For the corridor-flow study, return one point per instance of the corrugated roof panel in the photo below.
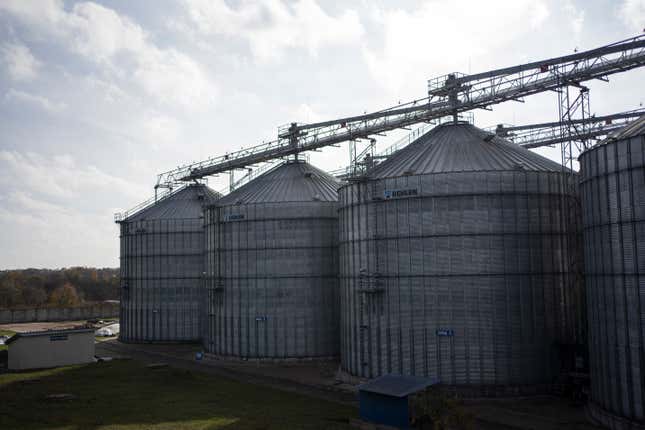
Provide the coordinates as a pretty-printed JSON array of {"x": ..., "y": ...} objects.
[
  {"x": 460, "y": 147},
  {"x": 635, "y": 128},
  {"x": 292, "y": 181},
  {"x": 182, "y": 204},
  {"x": 397, "y": 385}
]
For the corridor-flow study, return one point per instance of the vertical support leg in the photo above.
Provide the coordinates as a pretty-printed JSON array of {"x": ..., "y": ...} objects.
[
  {"x": 574, "y": 142},
  {"x": 574, "y": 139},
  {"x": 352, "y": 157}
]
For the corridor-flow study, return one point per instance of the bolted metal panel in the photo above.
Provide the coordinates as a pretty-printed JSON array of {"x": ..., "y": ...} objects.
[
  {"x": 458, "y": 276},
  {"x": 272, "y": 270},
  {"x": 613, "y": 202},
  {"x": 162, "y": 265}
]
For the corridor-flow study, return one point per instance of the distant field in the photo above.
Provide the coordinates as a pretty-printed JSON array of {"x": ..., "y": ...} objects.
[{"x": 125, "y": 395}]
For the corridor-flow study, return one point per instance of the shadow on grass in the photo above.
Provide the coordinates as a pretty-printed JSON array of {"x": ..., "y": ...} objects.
[{"x": 126, "y": 395}]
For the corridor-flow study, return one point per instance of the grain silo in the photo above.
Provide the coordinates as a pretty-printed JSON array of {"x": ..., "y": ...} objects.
[
  {"x": 455, "y": 262},
  {"x": 272, "y": 267},
  {"x": 613, "y": 211},
  {"x": 162, "y": 267}
]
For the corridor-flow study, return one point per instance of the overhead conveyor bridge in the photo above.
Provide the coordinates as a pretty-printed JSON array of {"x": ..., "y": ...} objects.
[{"x": 448, "y": 95}]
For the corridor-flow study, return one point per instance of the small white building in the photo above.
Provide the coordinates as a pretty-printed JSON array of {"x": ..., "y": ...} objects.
[{"x": 51, "y": 348}]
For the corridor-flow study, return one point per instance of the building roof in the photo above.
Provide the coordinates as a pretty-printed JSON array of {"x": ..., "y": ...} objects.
[
  {"x": 48, "y": 333},
  {"x": 397, "y": 385},
  {"x": 291, "y": 181},
  {"x": 187, "y": 202},
  {"x": 460, "y": 147}
]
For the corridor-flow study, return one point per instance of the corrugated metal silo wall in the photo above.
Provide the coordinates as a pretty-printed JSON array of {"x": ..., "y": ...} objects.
[
  {"x": 613, "y": 198},
  {"x": 458, "y": 276},
  {"x": 272, "y": 274},
  {"x": 162, "y": 268}
]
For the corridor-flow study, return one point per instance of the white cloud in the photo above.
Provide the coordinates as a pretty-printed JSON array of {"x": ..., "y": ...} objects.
[
  {"x": 41, "y": 102},
  {"x": 632, "y": 13},
  {"x": 60, "y": 177},
  {"x": 105, "y": 90},
  {"x": 100, "y": 33},
  {"x": 38, "y": 211},
  {"x": 20, "y": 63},
  {"x": 173, "y": 77},
  {"x": 120, "y": 46},
  {"x": 42, "y": 234},
  {"x": 54, "y": 209},
  {"x": 305, "y": 113},
  {"x": 160, "y": 130},
  {"x": 438, "y": 36},
  {"x": 43, "y": 13},
  {"x": 576, "y": 17},
  {"x": 273, "y": 26}
]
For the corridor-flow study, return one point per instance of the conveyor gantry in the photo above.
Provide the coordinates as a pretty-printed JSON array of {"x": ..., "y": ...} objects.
[{"x": 448, "y": 95}]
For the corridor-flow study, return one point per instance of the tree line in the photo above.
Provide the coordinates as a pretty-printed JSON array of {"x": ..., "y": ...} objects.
[{"x": 57, "y": 288}]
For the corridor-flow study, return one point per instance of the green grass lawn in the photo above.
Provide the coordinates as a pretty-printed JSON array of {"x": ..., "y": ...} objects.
[
  {"x": 5, "y": 333},
  {"x": 104, "y": 338},
  {"x": 124, "y": 394}
]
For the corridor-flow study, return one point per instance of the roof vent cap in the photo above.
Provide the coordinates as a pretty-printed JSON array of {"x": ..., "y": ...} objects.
[
  {"x": 316, "y": 198},
  {"x": 308, "y": 174}
]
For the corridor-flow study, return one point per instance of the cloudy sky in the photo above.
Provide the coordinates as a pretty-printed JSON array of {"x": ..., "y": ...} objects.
[{"x": 96, "y": 98}]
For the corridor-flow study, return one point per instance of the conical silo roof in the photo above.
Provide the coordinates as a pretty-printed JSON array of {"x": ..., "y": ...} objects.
[
  {"x": 184, "y": 203},
  {"x": 292, "y": 181},
  {"x": 460, "y": 147},
  {"x": 634, "y": 128}
]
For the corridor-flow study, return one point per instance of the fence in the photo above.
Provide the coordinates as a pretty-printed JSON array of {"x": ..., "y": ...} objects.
[{"x": 100, "y": 310}]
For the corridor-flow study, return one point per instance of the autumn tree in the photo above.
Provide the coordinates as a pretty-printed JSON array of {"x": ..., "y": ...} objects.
[
  {"x": 37, "y": 287},
  {"x": 65, "y": 295},
  {"x": 9, "y": 293},
  {"x": 33, "y": 296}
]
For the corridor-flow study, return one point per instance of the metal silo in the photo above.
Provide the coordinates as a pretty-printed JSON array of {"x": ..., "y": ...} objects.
[
  {"x": 613, "y": 202},
  {"x": 162, "y": 266},
  {"x": 272, "y": 267},
  {"x": 454, "y": 262}
]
